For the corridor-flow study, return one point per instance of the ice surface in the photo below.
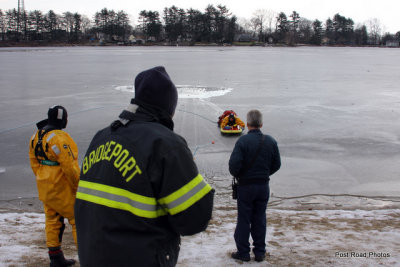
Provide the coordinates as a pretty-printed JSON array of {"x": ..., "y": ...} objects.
[{"x": 334, "y": 111}]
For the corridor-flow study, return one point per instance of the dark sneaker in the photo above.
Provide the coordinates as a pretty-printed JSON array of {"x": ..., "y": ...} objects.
[
  {"x": 236, "y": 256},
  {"x": 259, "y": 258}
]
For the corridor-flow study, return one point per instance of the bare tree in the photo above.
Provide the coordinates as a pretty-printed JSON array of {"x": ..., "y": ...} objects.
[
  {"x": 258, "y": 21},
  {"x": 86, "y": 24},
  {"x": 262, "y": 21},
  {"x": 68, "y": 23},
  {"x": 305, "y": 29},
  {"x": 375, "y": 30},
  {"x": 270, "y": 20},
  {"x": 246, "y": 25}
]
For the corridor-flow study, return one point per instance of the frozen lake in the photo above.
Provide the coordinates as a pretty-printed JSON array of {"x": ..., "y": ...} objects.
[{"x": 335, "y": 112}]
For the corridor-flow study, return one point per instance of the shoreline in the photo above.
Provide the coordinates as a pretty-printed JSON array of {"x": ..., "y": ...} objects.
[
  {"x": 244, "y": 44},
  {"x": 223, "y": 201}
]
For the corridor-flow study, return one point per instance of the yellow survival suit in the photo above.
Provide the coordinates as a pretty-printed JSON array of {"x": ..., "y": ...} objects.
[
  {"x": 232, "y": 120},
  {"x": 53, "y": 156}
]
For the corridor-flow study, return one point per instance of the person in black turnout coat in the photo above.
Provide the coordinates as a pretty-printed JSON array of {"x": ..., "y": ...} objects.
[
  {"x": 254, "y": 158},
  {"x": 140, "y": 189}
]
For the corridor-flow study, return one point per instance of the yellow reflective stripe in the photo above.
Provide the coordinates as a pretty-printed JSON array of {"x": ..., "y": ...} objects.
[
  {"x": 186, "y": 196},
  {"x": 118, "y": 198},
  {"x": 139, "y": 205},
  {"x": 182, "y": 191},
  {"x": 118, "y": 191},
  {"x": 185, "y": 205},
  {"x": 120, "y": 205}
]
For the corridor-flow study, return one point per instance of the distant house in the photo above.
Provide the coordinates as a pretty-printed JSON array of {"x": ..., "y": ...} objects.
[
  {"x": 132, "y": 39},
  {"x": 245, "y": 38},
  {"x": 392, "y": 43}
]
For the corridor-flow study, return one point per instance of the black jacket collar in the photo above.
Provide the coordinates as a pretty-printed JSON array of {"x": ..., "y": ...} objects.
[
  {"x": 145, "y": 112},
  {"x": 44, "y": 125},
  {"x": 256, "y": 131}
]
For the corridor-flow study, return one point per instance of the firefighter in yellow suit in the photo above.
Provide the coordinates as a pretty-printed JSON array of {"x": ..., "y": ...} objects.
[
  {"x": 53, "y": 156},
  {"x": 231, "y": 121}
]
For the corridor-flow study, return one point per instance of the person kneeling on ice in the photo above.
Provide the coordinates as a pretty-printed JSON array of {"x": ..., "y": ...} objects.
[
  {"x": 54, "y": 160},
  {"x": 231, "y": 121}
]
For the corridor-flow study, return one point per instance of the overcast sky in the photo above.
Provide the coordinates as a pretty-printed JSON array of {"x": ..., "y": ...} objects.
[{"x": 386, "y": 11}]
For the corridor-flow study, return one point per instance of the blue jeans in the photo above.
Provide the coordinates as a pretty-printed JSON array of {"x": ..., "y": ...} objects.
[{"x": 252, "y": 219}]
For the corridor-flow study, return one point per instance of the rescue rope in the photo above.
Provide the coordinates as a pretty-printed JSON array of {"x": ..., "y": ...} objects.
[
  {"x": 72, "y": 113},
  {"x": 18, "y": 127},
  {"x": 394, "y": 199},
  {"x": 201, "y": 116},
  {"x": 96, "y": 108},
  {"x": 200, "y": 146},
  {"x": 382, "y": 198},
  {"x": 90, "y": 109}
]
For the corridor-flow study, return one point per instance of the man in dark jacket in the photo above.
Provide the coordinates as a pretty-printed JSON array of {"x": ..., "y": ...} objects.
[
  {"x": 254, "y": 158},
  {"x": 140, "y": 189}
]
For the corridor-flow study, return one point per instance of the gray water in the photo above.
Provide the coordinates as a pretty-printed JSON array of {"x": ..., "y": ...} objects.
[{"x": 335, "y": 112}]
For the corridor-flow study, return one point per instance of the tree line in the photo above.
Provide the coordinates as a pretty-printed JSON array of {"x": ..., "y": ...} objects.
[{"x": 216, "y": 24}]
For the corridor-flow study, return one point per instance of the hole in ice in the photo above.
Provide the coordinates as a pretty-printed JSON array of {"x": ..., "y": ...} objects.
[
  {"x": 188, "y": 91},
  {"x": 125, "y": 88}
]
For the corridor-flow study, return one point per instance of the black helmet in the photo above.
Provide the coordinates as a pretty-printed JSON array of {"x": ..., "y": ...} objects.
[{"x": 58, "y": 117}]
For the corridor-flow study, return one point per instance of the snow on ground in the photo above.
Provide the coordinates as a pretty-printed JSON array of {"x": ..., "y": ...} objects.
[
  {"x": 296, "y": 237},
  {"x": 305, "y": 238}
]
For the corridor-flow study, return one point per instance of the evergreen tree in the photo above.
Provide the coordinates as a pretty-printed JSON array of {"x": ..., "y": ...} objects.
[
  {"x": 294, "y": 27},
  {"x": 194, "y": 24},
  {"x": 343, "y": 29},
  {"x": 77, "y": 26},
  {"x": 282, "y": 27},
  {"x": 317, "y": 33},
  {"x": 330, "y": 31},
  {"x": 221, "y": 18},
  {"x": 150, "y": 24},
  {"x": 51, "y": 24},
  {"x": 361, "y": 35},
  {"x": 36, "y": 24},
  {"x": 208, "y": 24},
  {"x": 12, "y": 24},
  {"x": 175, "y": 23},
  {"x": 231, "y": 30},
  {"x": 122, "y": 24},
  {"x": 2, "y": 25}
]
